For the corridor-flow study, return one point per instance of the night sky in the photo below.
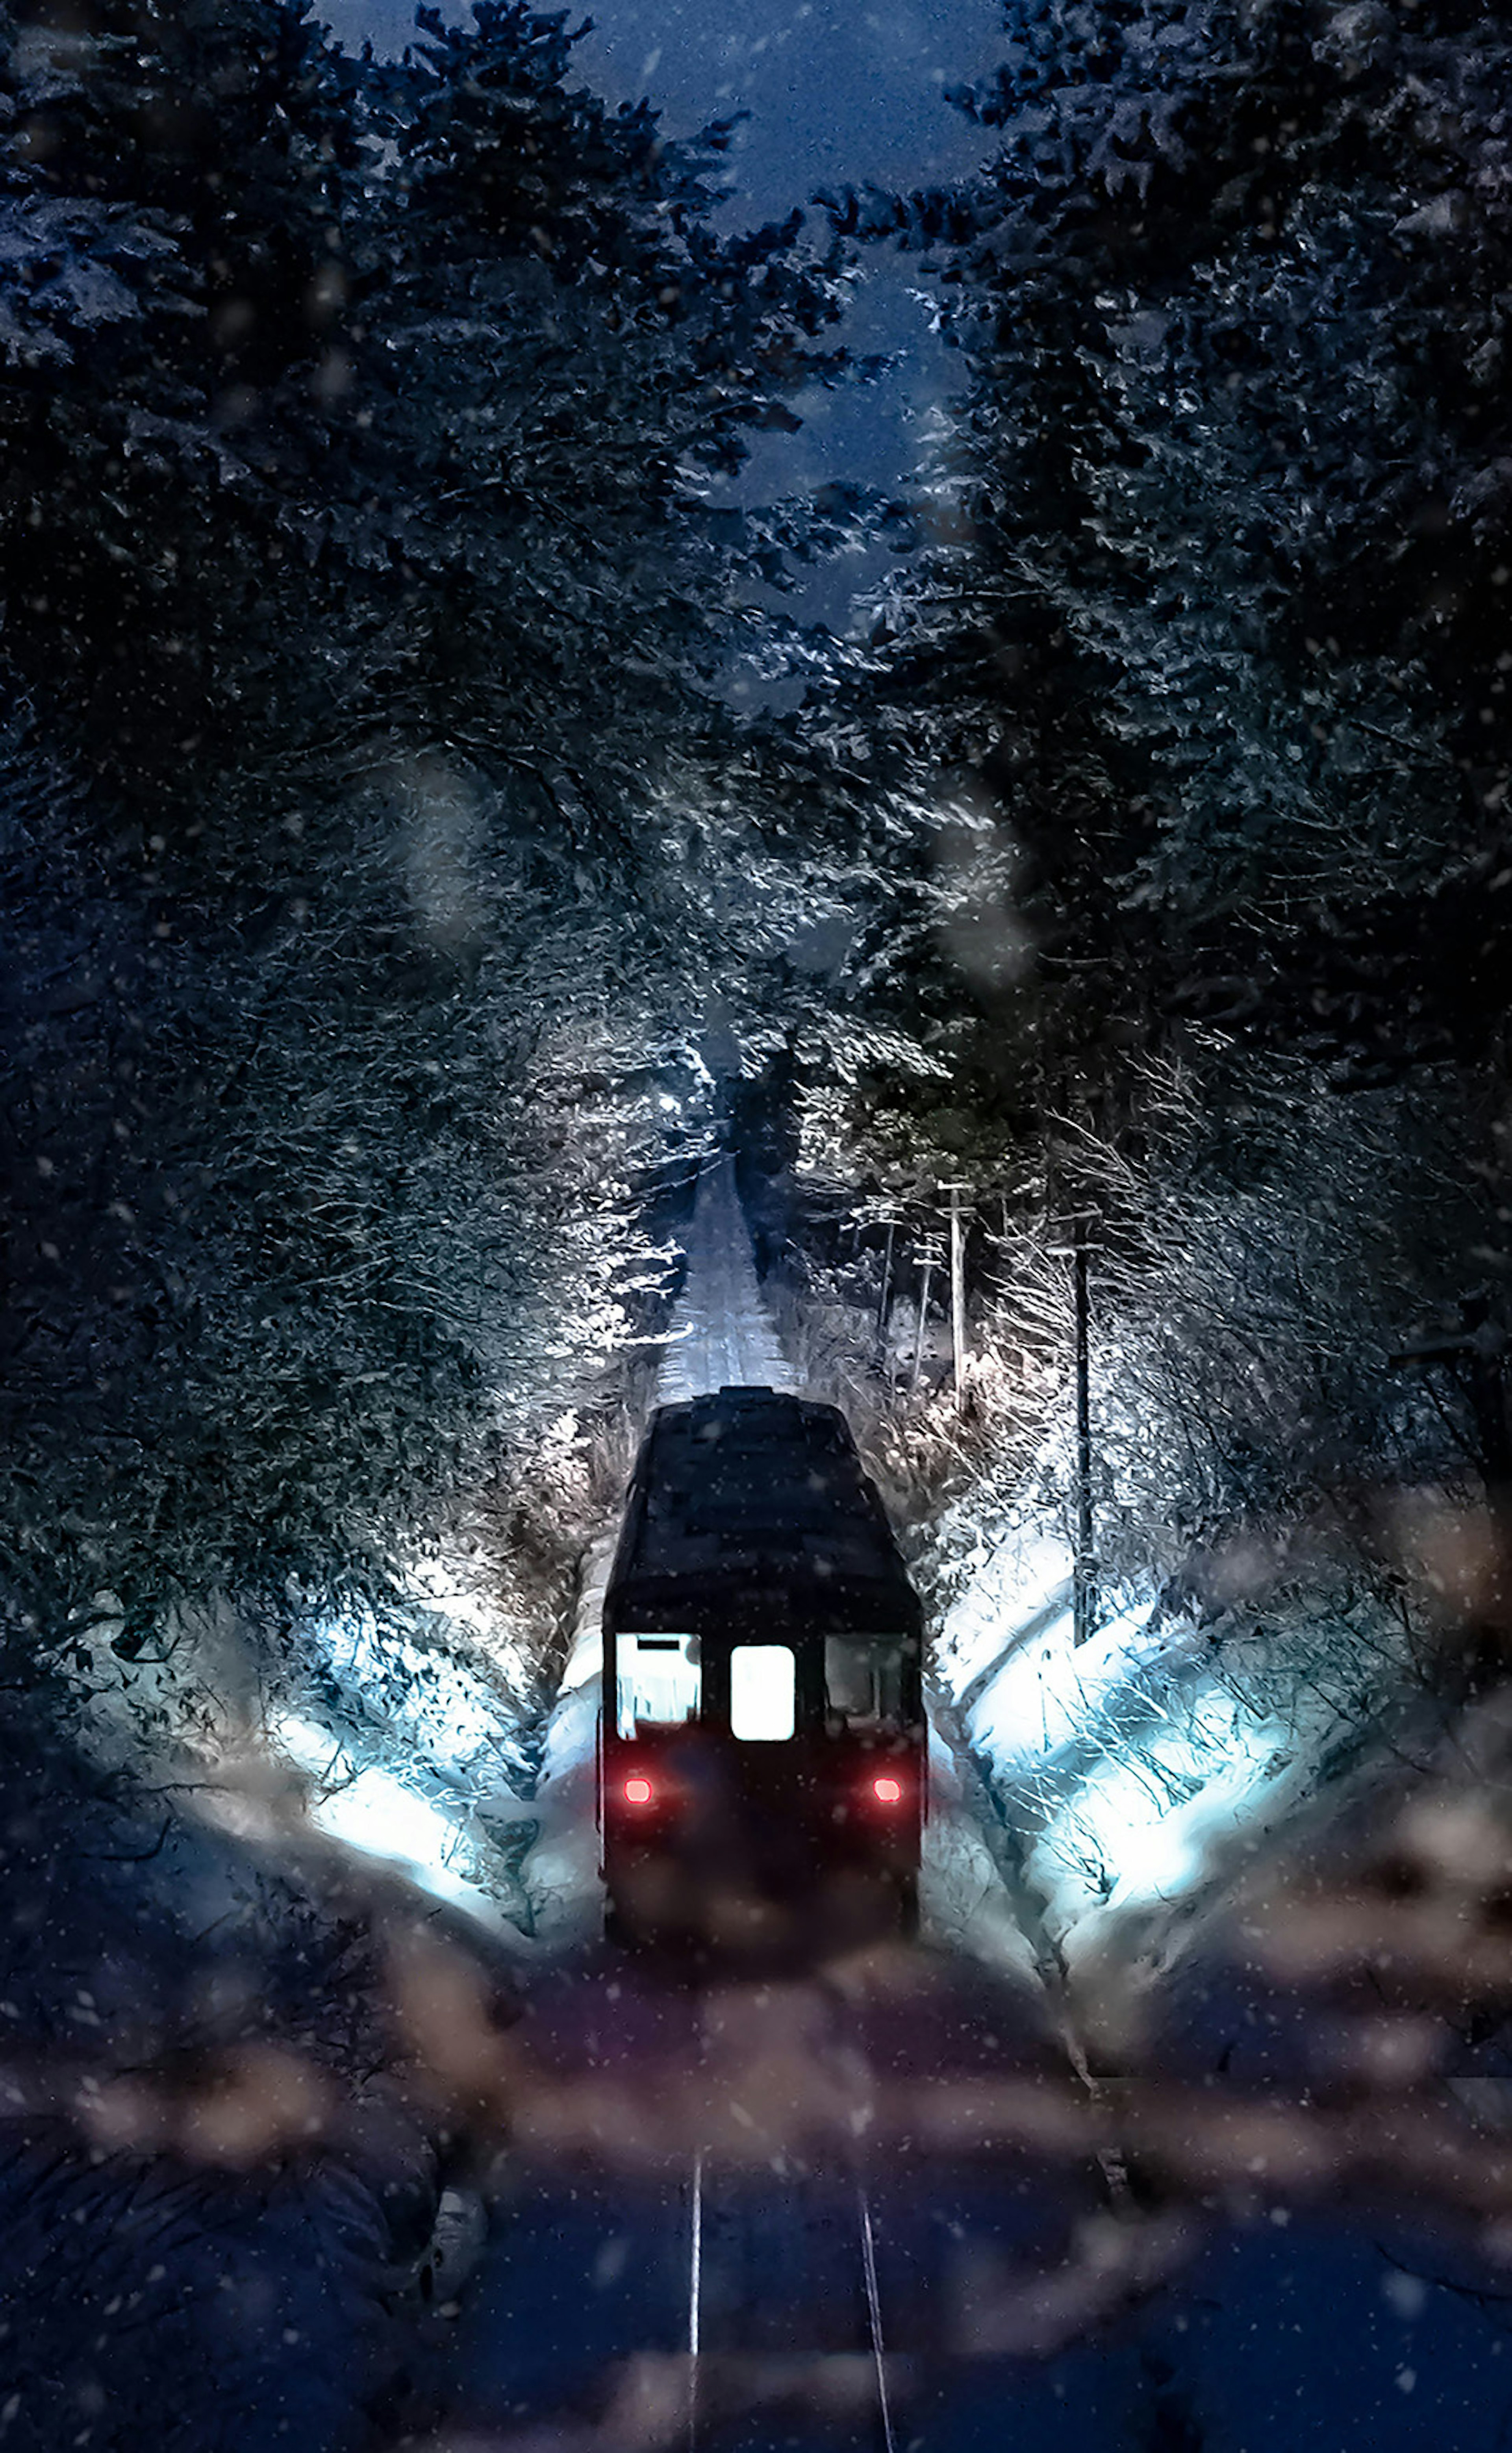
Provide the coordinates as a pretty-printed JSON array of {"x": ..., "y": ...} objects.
[{"x": 834, "y": 92}]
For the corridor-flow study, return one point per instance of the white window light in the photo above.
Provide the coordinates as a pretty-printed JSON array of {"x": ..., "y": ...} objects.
[{"x": 763, "y": 1682}]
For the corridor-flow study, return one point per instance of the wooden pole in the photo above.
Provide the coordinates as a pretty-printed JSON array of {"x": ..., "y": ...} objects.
[
  {"x": 957, "y": 1293},
  {"x": 928, "y": 1273},
  {"x": 1083, "y": 1588}
]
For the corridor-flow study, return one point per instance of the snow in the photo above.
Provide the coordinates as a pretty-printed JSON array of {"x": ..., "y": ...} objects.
[
  {"x": 1047, "y": 1692},
  {"x": 964, "y": 1903},
  {"x": 380, "y": 1813},
  {"x": 1145, "y": 1845},
  {"x": 561, "y": 1873},
  {"x": 1027, "y": 1572},
  {"x": 1074, "y": 1789},
  {"x": 1127, "y": 1772},
  {"x": 409, "y": 1745},
  {"x": 408, "y": 1728},
  {"x": 443, "y": 1709}
]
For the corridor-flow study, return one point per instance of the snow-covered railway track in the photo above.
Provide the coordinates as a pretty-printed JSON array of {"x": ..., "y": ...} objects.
[{"x": 721, "y": 1334}]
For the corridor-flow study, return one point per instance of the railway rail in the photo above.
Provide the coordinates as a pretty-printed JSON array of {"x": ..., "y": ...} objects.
[{"x": 729, "y": 2331}]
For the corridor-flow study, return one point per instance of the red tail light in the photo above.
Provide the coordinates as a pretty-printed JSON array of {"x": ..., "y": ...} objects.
[
  {"x": 886, "y": 1790},
  {"x": 638, "y": 1790}
]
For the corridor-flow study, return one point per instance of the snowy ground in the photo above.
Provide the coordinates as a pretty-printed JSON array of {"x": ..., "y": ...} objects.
[
  {"x": 561, "y": 1873},
  {"x": 1078, "y": 1796},
  {"x": 411, "y": 1738}
]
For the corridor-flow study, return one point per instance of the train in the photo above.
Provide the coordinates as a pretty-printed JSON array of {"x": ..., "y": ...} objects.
[{"x": 762, "y": 1749}]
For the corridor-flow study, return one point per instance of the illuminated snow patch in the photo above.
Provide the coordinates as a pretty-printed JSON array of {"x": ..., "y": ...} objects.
[
  {"x": 379, "y": 1815},
  {"x": 1125, "y": 1762},
  {"x": 426, "y": 1692},
  {"x": 439, "y": 1589},
  {"x": 1021, "y": 1579},
  {"x": 1129, "y": 1837},
  {"x": 1051, "y": 1691},
  {"x": 1132, "y": 1769}
]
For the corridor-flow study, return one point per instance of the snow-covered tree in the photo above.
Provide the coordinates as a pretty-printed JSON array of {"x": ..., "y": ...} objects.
[
  {"x": 366, "y": 791},
  {"x": 1197, "y": 688}
]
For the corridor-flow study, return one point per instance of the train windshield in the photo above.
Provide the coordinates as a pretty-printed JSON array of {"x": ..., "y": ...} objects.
[
  {"x": 660, "y": 1680},
  {"x": 864, "y": 1680}
]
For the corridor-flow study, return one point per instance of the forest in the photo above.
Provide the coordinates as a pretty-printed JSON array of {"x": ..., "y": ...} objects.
[{"x": 403, "y": 899}]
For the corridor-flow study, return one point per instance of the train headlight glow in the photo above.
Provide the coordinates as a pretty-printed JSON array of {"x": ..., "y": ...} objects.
[
  {"x": 638, "y": 1790},
  {"x": 888, "y": 1791}
]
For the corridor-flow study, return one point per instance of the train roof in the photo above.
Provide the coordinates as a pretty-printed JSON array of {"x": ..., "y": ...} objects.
[{"x": 758, "y": 1491}]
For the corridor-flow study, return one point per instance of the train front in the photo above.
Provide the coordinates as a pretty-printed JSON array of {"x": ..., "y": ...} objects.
[{"x": 762, "y": 1739}]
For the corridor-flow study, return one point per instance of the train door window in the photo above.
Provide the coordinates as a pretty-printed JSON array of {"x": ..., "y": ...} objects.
[
  {"x": 864, "y": 1680},
  {"x": 763, "y": 1691},
  {"x": 660, "y": 1682}
]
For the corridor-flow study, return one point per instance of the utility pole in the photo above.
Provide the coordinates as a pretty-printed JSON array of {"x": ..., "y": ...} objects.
[
  {"x": 928, "y": 1256},
  {"x": 887, "y": 1279},
  {"x": 957, "y": 1290},
  {"x": 1084, "y": 1586}
]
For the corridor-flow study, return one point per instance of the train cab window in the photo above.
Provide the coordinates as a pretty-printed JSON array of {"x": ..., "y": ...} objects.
[
  {"x": 864, "y": 1680},
  {"x": 763, "y": 1691},
  {"x": 660, "y": 1682}
]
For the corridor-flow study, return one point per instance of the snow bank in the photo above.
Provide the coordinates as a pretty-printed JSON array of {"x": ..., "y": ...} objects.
[
  {"x": 1125, "y": 1772},
  {"x": 561, "y": 1873}
]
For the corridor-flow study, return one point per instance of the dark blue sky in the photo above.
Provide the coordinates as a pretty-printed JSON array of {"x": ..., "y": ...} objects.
[{"x": 835, "y": 92}]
